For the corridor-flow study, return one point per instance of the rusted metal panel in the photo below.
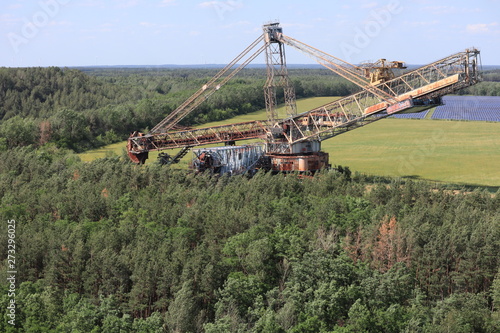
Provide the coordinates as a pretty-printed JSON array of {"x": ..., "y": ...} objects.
[
  {"x": 301, "y": 163},
  {"x": 443, "y": 83},
  {"x": 400, "y": 106},
  {"x": 139, "y": 143},
  {"x": 376, "y": 108}
]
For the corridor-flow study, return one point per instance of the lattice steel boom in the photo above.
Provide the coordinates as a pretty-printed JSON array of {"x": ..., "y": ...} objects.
[
  {"x": 210, "y": 87},
  {"x": 302, "y": 133},
  {"x": 422, "y": 88}
]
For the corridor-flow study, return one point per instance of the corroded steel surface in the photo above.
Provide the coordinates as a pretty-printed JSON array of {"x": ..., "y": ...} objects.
[{"x": 241, "y": 131}]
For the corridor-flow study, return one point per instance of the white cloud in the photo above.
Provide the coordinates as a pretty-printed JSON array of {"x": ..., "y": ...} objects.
[
  {"x": 298, "y": 26},
  {"x": 207, "y": 4},
  {"x": 229, "y": 4},
  {"x": 88, "y": 37},
  {"x": 480, "y": 28},
  {"x": 60, "y": 23},
  {"x": 16, "y": 6},
  {"x": 342, "y": 23},
  {"x": 166, "y": 3},
  {"x": 438, "y": 10},
  {"x": 126, "y": 4},
  {"x": 90, "y": 3},
  {"x": 146, "y": 24},
  {"x": 8, "y": 19},
  {"x": 421, "y": 23},
  {"x": 369, "y": 5},
  {"x": 442, "y": 10},
  {"x": 236, "y": 24}
]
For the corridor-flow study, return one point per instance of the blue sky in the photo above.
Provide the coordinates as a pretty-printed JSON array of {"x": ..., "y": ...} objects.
[{"x": 155, "y": 32}]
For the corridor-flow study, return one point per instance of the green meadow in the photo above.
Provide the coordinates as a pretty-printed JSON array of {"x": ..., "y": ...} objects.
[{"x": 457, "y": 152}]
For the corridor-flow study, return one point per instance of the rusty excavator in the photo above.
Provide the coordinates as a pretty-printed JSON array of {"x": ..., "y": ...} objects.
[{"x": 293, "y": 143}]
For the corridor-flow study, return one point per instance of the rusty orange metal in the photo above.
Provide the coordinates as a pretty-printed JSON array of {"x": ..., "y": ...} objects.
[{"x": 287, "y": 163}]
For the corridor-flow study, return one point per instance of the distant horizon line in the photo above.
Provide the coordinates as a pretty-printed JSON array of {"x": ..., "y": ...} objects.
[{"x": 211, "y": 65}]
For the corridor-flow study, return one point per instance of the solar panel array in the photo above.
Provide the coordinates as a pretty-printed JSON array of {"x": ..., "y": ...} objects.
[
  {"x": 418, "y": 115},
  {"x": 475, "y": 108},
  {"x": 483, "y": 108}
]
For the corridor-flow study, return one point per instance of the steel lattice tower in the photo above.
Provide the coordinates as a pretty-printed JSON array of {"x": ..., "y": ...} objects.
[{"x": 277, "y": 73}]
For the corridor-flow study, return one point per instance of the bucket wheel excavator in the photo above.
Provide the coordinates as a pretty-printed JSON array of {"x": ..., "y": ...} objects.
[{"x": 293, "y": 143}]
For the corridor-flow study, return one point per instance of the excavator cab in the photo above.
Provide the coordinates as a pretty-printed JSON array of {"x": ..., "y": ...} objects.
[{"x": 381, "y": 71}]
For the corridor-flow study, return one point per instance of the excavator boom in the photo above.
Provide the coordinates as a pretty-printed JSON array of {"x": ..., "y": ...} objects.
[
  {"x": 422, "y": 88},
  {"x": 209, "y": 88},
  {"x": 414, "y": 91}
]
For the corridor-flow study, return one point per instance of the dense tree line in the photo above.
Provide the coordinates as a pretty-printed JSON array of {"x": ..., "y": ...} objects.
[
  {"x": 113, "y": 247},
  {"x": 80, "y": 110},
  {"x": 38, "y": 92},
  {"x": 489, "y": 87},
  {"x": 83, "y": 109},
  {"x": 485, "y": 88},
  {"x": 492, "y": 75}
]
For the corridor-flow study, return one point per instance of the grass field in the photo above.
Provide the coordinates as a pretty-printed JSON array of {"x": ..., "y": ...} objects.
[{"x": 455, "y": 152}]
